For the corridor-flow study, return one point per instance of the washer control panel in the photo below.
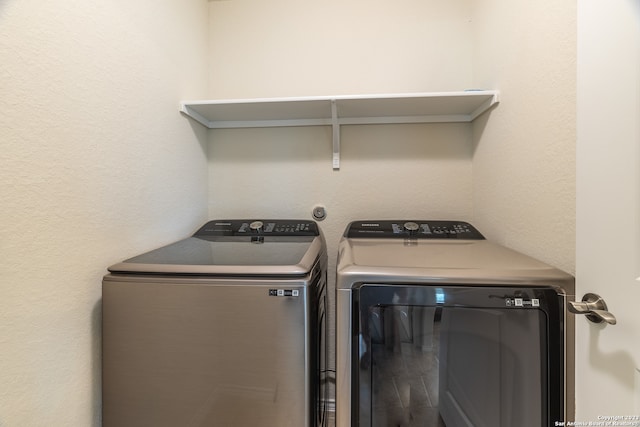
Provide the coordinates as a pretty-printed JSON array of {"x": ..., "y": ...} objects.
[
  {"x": 252, "y": 227},
  {"x": 425, "y": 229}
]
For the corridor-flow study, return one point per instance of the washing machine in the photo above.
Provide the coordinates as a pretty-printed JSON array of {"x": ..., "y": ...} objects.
[
  {"x": 436, "y": 326},
  {"x": 224, "y": 328}
]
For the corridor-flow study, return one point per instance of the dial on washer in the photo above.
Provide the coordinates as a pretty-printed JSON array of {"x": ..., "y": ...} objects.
[
  {"x": 411, "y": 227},
  {"x": 256, "y": 226}
]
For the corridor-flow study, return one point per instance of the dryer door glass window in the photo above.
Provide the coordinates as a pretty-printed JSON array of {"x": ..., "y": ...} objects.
[{"x": 457, "y": 356}]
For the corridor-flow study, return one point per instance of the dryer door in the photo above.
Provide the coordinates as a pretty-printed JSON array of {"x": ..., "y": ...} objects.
[{"x": 457, "y": 356}]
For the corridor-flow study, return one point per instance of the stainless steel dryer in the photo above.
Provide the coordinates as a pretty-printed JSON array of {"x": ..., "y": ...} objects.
[
  {"x": 225, "y": 328},
  {"x": 437, "y": 326}
]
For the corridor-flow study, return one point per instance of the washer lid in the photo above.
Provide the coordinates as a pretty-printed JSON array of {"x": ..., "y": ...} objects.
[{"x": 221, "y": 251}]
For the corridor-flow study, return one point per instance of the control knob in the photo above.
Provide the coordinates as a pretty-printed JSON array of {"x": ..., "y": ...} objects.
[
  {"x": 411, "y": 227},
  {"x": 256, "y": 226}
]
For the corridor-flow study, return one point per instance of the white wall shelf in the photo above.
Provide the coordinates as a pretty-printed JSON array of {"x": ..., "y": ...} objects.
[{"x": 431, "y": 107}]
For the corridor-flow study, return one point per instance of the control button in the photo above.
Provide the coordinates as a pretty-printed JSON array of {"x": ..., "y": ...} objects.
[
  {"x": 411, "y": 227},
  {"x": 256, "y": 226}
]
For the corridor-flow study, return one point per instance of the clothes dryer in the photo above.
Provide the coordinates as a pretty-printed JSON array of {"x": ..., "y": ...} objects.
[
  {"x": 437, "y": 326},
  {"x": 225, "y": 328}
]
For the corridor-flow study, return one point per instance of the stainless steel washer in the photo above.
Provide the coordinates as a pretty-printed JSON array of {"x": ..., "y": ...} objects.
[
  {"x": 225, "y": 328},
  {"x": 437, "y": 326}
]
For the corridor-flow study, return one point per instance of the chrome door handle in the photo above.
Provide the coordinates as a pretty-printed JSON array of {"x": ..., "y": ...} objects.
[{"x": 594, "y": 307}]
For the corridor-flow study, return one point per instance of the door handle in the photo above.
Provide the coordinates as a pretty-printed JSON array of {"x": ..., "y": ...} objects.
[{"x": 594, "y": 307}]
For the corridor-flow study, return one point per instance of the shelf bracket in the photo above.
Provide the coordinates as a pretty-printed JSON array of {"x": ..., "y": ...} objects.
[{"x": 336, "y": 134}]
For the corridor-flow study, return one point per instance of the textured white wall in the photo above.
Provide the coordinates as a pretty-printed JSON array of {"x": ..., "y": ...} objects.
[
  {"x": 524, "y": 152},
  {"x": 404, "y": 171},
  {"x": 282, "y": 48},
  {"x": 291, "y": 48},
  {"x": 96, "y": 164}
]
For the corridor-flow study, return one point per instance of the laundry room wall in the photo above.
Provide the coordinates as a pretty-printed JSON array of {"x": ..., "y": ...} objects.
[
  {"x": 96, "y": 165},
  {"x": 512, "y": 172},
  {"x": 286, "y": 48},
  {"x": 524, "y": 151}
]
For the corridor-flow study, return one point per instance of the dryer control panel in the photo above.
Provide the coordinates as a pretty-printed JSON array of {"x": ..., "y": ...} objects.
[
  {"x": 264, "y": 227},
  {"x": 409, "y": 229}
]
